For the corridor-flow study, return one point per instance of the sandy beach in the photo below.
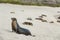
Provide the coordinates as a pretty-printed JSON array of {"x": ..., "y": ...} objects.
[{"x": 42, "y": 30}]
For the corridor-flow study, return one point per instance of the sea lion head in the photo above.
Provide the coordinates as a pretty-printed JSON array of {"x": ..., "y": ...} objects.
[{"x": 13, "y": 19}]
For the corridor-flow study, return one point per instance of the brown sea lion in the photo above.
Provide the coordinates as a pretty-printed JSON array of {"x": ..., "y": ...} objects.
[{"x": 16, "y": 28}]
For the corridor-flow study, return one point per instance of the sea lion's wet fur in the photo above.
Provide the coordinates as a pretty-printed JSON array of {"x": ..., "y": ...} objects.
[{"x": 16, "y": 28}]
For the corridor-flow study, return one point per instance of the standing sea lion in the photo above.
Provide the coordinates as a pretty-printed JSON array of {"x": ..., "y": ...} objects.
[{"x": 16, "y": 28}]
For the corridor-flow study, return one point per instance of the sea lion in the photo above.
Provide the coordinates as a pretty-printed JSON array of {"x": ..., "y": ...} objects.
[{"x": 16, "y": 28}]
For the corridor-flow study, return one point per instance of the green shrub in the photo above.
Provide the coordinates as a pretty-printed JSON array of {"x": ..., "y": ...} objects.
[{"x": 22, "y": 3}]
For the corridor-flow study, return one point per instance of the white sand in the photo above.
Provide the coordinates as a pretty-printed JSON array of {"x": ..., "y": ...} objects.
[{"x": 42, "y": 30}]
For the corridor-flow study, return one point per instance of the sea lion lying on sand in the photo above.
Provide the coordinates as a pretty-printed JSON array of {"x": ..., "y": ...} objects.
[{"x": 16, "y": 28}]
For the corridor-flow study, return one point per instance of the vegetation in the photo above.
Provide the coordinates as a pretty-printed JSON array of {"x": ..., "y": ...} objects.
[{"x": 22, "y": 3}]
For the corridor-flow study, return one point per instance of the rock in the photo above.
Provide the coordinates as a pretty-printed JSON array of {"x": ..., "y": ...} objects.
[
  {"x": 58, "y": 21},
  {"x": 51, "y": 22},
  {"x": 28, "y": 23},
  {"x": 12, "y": 12},
  {"x": 29, "y": 18},
  {"x": 41, "y": 19},
  {"x": 44, "y": 20},
  {"x": 58, "y": 17},
  {"x": 38, "y": 18}
]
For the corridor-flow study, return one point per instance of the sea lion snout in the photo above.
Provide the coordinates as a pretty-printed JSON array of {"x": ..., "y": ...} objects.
[{"x": 13, "y": 19}]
